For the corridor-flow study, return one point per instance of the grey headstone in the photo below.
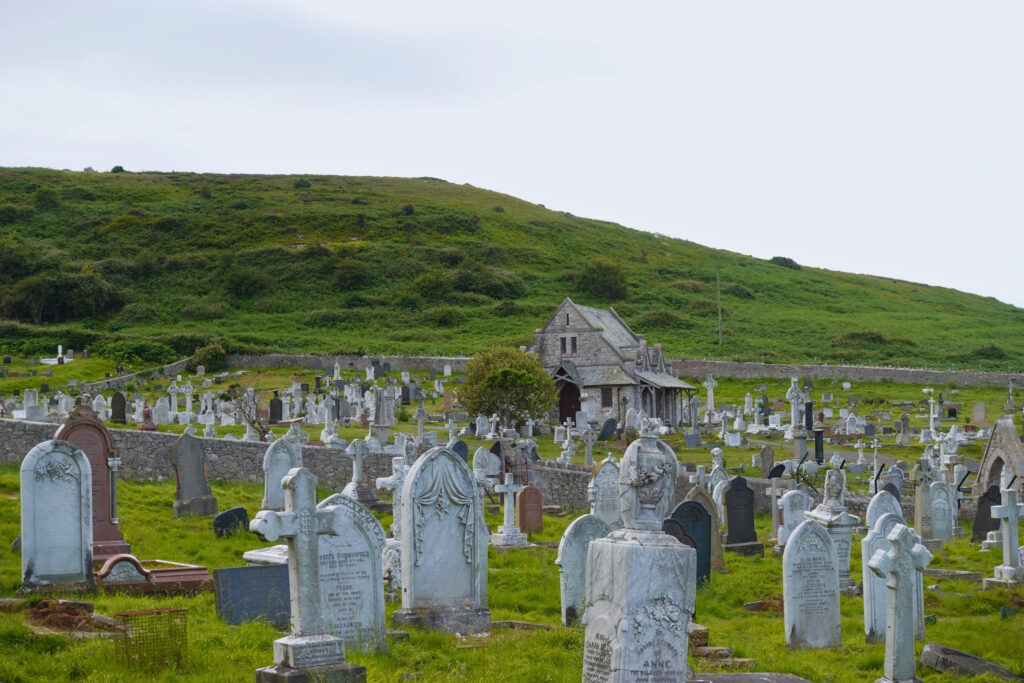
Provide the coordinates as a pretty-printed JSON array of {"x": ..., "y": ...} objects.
[
  {"x": 607, "y": 430},
  {"x": 230, "y": 521},
  {"x": 192, "y": 495},
  {"x": 259, "y": 592}
]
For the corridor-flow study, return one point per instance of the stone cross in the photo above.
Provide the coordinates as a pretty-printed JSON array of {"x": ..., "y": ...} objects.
[
  {"x": 568, "y": 448},
  {"x": 795, "y": 396},
  {"x": 902, "y": 565},
  {"x": 701, "y": 478},
  {"x": 395, "y": 483},
  {"x": 295, "y": 436},
  {"x": 1008, "y": 515},
  {"x": 189, "y": 390},
  {"x": 510, "y": 489},
  {"x": 923, "y": 475},
  {"x": 451, "y": 429},
  {"x": 421, "y": 417},
  {"x": 529, "y": 428},
  {"x": 710, "y": 385},
  {"x": 494, "y": 424},
  {"x": 589, "y": 439},
  {"x": 357, "y": 451},
  {"x": 172, "y": 391},
  {"x": 775, "y": 491}
]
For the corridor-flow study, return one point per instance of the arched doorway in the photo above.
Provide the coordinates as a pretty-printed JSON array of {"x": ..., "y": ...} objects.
[{"x": 568, "y": 402}]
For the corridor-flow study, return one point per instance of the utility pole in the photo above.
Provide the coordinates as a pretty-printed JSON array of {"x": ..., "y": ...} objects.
[{"x": 718, "y": 286}]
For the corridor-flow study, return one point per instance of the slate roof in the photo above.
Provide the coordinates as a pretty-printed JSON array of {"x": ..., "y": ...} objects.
[
  {"x": 604, "y": 375},
  {"x": 664, "y": 380},
  {"x": 612, "y": 328}
]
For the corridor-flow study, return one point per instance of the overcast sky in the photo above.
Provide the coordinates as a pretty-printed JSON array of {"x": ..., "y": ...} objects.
[{"x": 871, "y": 137}]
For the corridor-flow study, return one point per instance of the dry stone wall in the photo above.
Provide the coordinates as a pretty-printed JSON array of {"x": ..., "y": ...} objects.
[{"x": 348, "y": 363}]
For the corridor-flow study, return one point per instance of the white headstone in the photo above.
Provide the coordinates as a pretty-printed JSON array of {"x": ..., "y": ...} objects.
[
  {"x": 873, "y": 586},
  {"x": 281, "y": 456},
  {"x": 810, "y": 587},
  {"x": 572, "y": 563},
  {"x": 792, "y": 506},
  {"x": 603, "y": 493}
]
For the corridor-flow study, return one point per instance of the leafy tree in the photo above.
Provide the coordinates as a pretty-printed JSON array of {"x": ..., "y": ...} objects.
[
  {"x": 117, "y": 169},
  {"x": 605, "y": 279},
  {"x": 509, "y": 383}
]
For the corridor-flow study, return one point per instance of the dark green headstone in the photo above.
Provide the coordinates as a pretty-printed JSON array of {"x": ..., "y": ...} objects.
[{"x": 696, "y": 521}]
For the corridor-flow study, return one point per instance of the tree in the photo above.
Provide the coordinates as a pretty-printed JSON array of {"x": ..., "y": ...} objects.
[
  {"x": 605, "y": 279},
  {"x": 509, "y": 383}
]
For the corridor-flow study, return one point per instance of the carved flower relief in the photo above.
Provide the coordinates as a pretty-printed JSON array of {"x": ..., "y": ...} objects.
[
  {"x": 660, "y": 613},
  {"x": 56, "y": 470}
]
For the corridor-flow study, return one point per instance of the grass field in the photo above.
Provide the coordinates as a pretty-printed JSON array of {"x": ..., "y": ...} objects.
[
  {"x": 152, "y": 265},
  {"x": 523, "y": 585}
]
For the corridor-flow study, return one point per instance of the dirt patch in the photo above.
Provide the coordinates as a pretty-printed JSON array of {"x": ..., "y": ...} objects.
[{"x": 68, "y": 616}]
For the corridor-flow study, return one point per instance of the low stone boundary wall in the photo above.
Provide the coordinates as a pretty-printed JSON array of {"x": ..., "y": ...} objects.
[
  {"x": 176, "y": 368},
  {"x": 347, "y": 362},
  {"x": 854, "y": 373}
]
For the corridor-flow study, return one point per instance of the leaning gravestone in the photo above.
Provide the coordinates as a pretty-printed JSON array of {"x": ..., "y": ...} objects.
[
  {"x": 603, "y": 492},
  {"x": 810, "y": 586},
  {"x": 696, "y": 522},
  {"x": 118, "y": 408},
  {"x": 530, "y": 510},
  {"x": 56, "y": 517},
  {"x": 572, "y": 563},
  {"x": 738, "y": 501},
  {"x": 874, "y": 586},
  {"x": 280, "y": 457},
  {"x": 767, "y": 461},
  {"x": 444, "y": 547},
  {"x": 259, "y": 592},
  {"x": 700, "y": 495},
  {"x": 228, "y": 522},
  {"x": 352, "y": 577},
  {"x": 192, "y": 495},
  {"x": 983, "y": 520},
  {"x": 607, "y": 430},
  {"x": 85, "y": 430}
]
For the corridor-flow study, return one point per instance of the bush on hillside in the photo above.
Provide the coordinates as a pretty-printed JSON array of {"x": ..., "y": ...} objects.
[
  {"x": 704, "y": 307},
  {"x": 59, "y": 297},
  {"x": 136, "y": 350},
  {"x": 246, "y": 282},
  {"x": 507, "y": 309},
  {"x": 785, "y": 262},
  {"x": 117, "y": 169},
  {"x": 45, "y": 199},
  {"x": 211, "y": 357},
  {"x": 350, "y": 273},
  {"x": 15, "y": 257},
  {"x": 300, "y": 184},
  {"x": 737, "y": 290},
  {"x": 660, "y": 319},
  {"x": 689, "y": 286},
  {"x": 446, "y": 316},
  {"x": 605, "y": 279},
  {"x": 325, "y": 317}
]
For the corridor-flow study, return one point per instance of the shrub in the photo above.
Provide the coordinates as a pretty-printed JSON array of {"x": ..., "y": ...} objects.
[
  {"x": 324, "y": 318},
  {"x": 137, "y": 350},
  {"x": 15, "y": 257},
  {"x": 990, "y": 352},
  {"x": 446, "y": 316},
  {"x": 45, "y": 199},
  {"x": 689, "y": 285},
  {"x": 450, "y": 257},
  {"x": 350, "y": 273},
  {"x": 605, "y": 279},
  {"x": 661, "y": 319},
  {"x": 8, "y": 214},
  {"x": 737, "y": 290},
  {"x": 408, "y": 210},
  {"x": 492, "y": 253},
  {"x": 434, "y": 283},
  {"x": 704, "y": 307},
  {"x": 117, "y": 169},
  {"x": 147, "y": 262},
  {"x": 506, "y": 309},
  {"x": 245, "y": 282},
  {"x": 508, "y": 382},
  {"x": 785, "y": 262},
  {"x": 211, "y": 357},
  {"x": 300, "y": 183},
  {"x": 203, "y": 310}
]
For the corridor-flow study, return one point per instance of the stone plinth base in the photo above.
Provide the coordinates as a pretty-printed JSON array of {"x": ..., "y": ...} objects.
[
  {"x": 464, "y": 620},
  {"x": 1005, "y": 577},
  {"x": 104, "y": 550},
  {"x": 751, "y": 548},
  {"x": 338, "y": 673},
  {"x": 883, "y": 679},
  {"x": 360, "y": 492},
  {"x": 201, "y": 506},
  {"x": 509, "y": 537},
  {"x": 645, "y": 585},
  {"x": 749, "y": 678}
]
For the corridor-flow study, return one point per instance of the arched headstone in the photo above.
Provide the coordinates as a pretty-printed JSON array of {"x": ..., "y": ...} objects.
[
  {"x": 810, "y": 586},
  {"x": 572, "y": 563}
]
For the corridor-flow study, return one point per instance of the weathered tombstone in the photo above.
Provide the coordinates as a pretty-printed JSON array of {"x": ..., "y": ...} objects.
[
  {"x": 923, "y": 475},
  {"x": 983, "y": 520},
  {"x": 873, "y": 586},
  {"x": 486, "y": 468},
  {"x": 810, "y": 587},
  {"x": 700, "y": 495},
  {"x": 530, "y": 510},
  {"x": 309, "y": 649},
  {"x": 192, "y": 495},
  {"x": 943, "y": 510},
  {"x": 444, "y": 547},
  {"x": 831, "y": 514},
  {"x": 281, "y": 456},
  {"x": 461, "y": 448},
  {"x": 696, "y": 521},
  {"x": 637, "y": 619},
  {"x": 359, "y": 488},
  {"x": 276, "y": 410},
  {"x": 901, "y": 565},
  {"x": 572, "y": 563},
  {"x": 259, "y": 592},
  {"x": 978, "y": 413},
  {"x": 738, "y": 503},
  {"x": 118, "y": 408},
  {"x": 230, "y": 521},
  {"x": 603, "y": 493},
  {"x": 792, "y": 506},
  {"x": 767, "y": 461},
  {"x": 56, "y": 517},
  {"x": 881, "y": 503},
  {"x": 85, "y": 431},
  {"x": 607, "y": 430},
  {"x": 352, "y": 577}
]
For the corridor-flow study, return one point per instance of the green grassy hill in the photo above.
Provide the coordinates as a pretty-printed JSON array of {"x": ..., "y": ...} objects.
[{"x": 152, "y": 265}]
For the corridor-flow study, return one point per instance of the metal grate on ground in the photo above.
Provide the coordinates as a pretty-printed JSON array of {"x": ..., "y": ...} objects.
[{"x": 153, "y": 639}]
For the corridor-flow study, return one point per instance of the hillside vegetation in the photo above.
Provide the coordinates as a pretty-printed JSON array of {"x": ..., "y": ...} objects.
[{"x": 152, "y": 265}]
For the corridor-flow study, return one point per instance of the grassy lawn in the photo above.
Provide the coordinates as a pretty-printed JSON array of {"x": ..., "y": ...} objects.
[{"x": 523, "y": 585}]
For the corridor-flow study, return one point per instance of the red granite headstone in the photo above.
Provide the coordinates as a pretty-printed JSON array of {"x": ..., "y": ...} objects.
[
  {"x": 85, "y": 430},
  {"x": 530, "y": 510}
]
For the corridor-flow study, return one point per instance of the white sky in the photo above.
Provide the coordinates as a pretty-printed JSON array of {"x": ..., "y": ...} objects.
[{"x": 871, "y": 137}]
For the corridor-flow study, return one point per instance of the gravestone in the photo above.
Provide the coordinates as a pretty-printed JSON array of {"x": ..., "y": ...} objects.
[
  {"x": 943, "y": 509},
  {"x": 881, "y": 503},
  {"x": 1009, "y": 574},
  {"x": 738, "y": 503},
  {"x": 230, "y": 521},
  {"x": 923, "y": 475},
  {"x": 831, "y": 514},
  {"x": 192, "y": 496},
  {"x": 979, "y": 413},
  {"x": 792, "y": 506},
  {"x": 85, "y": 431},
  {"x": 276, "y": 410},
  {"x": 461, "y": 448},
  {"x": 281, "y": 456},
  {"x": 309, "y": 649},
  {"x": 359, "y": 487},
  {"x": 256, "y": 593},
  {"x": 486, "y": 468},
  {"x": 352, "y": 577},
  {"x": 983, "y": 520},
  {"x": 603, "y": 493},
  {"x": 873, "y": 586},
  {"x": 530, "y": 510},
  {"x": 572, "y": 563},
  {"x": 810, "y": 587},
  {"x": 696, "y": 521},
  {"x": 700, "y": 495},
  {"x": 767, "y": 461},
  {"x": 640, "y": 582},
  {"x": 444, "y": 547},
  {"x": 893, "y": 491},
  {"x": 118, "y": 408},
  {"x": 607, "y": 430},
  {"x": 901, "y": 565},
  {"x": 56, "y": 517},
  {"x": 509, "y": 534}
]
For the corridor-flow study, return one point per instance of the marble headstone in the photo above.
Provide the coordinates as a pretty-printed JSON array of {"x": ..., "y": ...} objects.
[
  {"x": 572, "y": 563},
  {"x": 810, "y": 586},
  {"x": 603, "y": 492},
  {"x": 192, "y": 495}
]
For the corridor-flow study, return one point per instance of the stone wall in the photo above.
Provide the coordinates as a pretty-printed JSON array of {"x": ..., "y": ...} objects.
[
  {"x": 176, "y": 368},
  {"x": 348, "y": 362},
  {"x": 854, "y": 373}
]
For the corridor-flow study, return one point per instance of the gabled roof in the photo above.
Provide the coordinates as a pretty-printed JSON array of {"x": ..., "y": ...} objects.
[{"x": 613, "y": 329}]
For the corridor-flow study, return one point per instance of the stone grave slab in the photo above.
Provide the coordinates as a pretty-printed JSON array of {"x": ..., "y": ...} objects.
[{"x": 530, "y": 510}]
